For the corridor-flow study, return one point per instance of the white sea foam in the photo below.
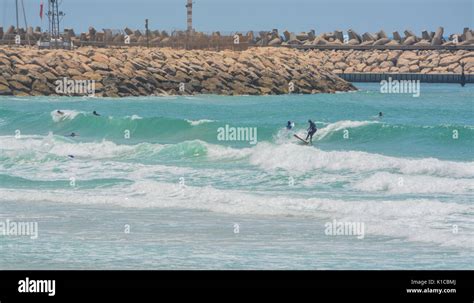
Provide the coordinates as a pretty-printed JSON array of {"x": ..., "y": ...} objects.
[
  {"x": 294, "y": 159},
  {"x": 199, "y": 122},
  {"x": 413, "y": 220},
  {"x": 426, "y": 220},
  {"x": 302, "y": 159},
  {"x": 403, "y": 184},
  {"x": 338, "y": 126},
  {"x": 135, "y": 117},
  {"x": 68, "y": 115},
  {"x": 64, "y": 147}
]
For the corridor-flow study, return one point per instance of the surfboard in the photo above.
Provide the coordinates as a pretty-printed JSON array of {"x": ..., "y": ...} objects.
[{"x": 301, "y": 139}]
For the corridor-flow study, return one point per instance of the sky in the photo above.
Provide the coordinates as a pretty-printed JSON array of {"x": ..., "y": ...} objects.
[{"x": 243, "y": 15}]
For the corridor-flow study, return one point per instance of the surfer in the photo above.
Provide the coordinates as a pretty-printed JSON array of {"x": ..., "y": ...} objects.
[
  {"x": 72, "y": 135},
  {"x": 380, "y": 115},
  {"x": 290, "y": 125},
  {"x": 311, "y": 131},
  {"x": 59, "y": 112},
  {"x": 96, "y": 114}
]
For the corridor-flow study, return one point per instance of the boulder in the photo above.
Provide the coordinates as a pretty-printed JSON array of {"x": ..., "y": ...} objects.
[
  {"x": 41, "y": 87},
  {"x": 368, "y": 37},
  {"x": 469, "y": 35},
  {"x": 467, "y": 42},
  {"x": 108, "y": 35},
  {"x": 339, "y": 35},
  {"x": 382, "y": 41},
  {"x": 17, "y": 86},
  {"x": 423, "y": 42},
  {"x": 294, "y": 42},
  {"x": 128, "y": 31},
  {"x": 92, "y": 31},
  {"x": 5, "y": 90},
  {"x": 437, "y": 39},
  {"x": 354, "y": 42},
  {"x": 10, "y": 32},
  {"x": 366, "y": 43},
  {"x": 448, "y": 60},
  {"x": 25, "y": 80},
  {"x": 409, "y": 33},
  {"x": 319, "y": 41},
  {"x": 448, "y": 43},
  {"x": 425, "y": 36},
  {"x": 381, "y": 35},
  {"x": 302, "y": 37},
  {"x": 386, "y": 64},
  {"x": 274, "y": 42},
  {"x": 464, "y": 32},
  {"x": 413, "y": 68},
  {"x": 403, "y": 62},
  {"x": 409, "y": 40},
  {"x": 354, "y": 36},
  {"x": 393, "y": 42},
  {"x": 397, "y": 37},
  {"x": 372, "y": 59},
  {"x": 118, "y": 38}
]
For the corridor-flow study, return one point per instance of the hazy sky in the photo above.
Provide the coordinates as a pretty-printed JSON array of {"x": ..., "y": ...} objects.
[{"x": 242, "y": 15}]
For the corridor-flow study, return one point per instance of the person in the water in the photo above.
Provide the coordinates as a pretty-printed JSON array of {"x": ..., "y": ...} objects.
[
  {"x": 290, "y": 125},
  {"x": 380, "y": 115},
  {"x": 311, "y": 131},
  {"x": 59, "y": 112},
  {"x": 96, "y": 113},
  {"x": 72, "y": 135}
]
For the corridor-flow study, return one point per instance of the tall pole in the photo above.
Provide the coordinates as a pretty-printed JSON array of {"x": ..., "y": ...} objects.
[
  {"x": 17, "y": 22},
  {"x": 26, "y": 22},
  {"x": 147, "y": 33},
  {"x": 189, "y": 7}
]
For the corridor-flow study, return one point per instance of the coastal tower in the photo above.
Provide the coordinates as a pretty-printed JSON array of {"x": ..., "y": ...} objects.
[
  {"x": 55, "y": 16},
  {"x": 189, "y": 7}
]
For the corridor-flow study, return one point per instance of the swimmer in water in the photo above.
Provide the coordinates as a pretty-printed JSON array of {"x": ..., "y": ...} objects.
[{"x": 290, "y": 125}]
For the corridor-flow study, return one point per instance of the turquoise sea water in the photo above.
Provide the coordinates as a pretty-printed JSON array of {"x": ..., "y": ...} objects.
[{"x": 171, "y": 195}]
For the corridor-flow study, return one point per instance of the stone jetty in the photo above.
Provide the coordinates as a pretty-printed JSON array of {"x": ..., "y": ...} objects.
[
  {"x": 393, "y": 61},
  {"x": 137, "y": 71}
]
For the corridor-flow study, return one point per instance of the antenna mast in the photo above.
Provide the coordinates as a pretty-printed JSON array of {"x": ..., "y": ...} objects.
[{"x": 54, "y": 16}]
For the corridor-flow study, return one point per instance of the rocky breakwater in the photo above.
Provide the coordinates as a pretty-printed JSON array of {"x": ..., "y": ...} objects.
[
  {"x": 394, "y": 61},
  {"x": 141, "y": 71},
  {"x": 379, "y": 39}
]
